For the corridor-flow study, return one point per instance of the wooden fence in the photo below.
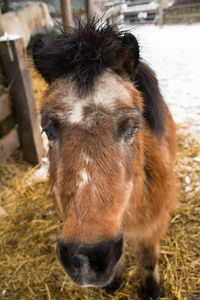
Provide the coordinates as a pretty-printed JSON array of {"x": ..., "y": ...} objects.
[
  {"x": 9, "y": 138},
  {"x": 182, "y": 13},
  {"x": 19, "y": 125}
]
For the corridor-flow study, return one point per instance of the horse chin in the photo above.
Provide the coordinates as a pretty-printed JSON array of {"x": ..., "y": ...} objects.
[
  {"x": 102, "y": 282},
  {"x": 95, "y": 285}
]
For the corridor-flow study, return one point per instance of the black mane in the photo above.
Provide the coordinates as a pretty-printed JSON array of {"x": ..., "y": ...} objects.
[
  {"x": 87, "y": 50},
  {"x": 154, "y": 111}
]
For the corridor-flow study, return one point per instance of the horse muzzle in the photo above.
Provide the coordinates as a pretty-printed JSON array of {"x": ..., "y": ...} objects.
[{"x": 91, "y": 265}]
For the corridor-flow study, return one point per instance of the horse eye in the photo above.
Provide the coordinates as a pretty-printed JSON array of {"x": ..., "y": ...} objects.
[
  {"x": 51, "y": 131},
  {"x": 131, "y": 132}
]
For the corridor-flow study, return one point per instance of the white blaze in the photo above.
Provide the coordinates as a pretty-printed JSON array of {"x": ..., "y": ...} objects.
[
  {"x": 107, "y": 92},
  {"x": 76, "y": 113},
  {"x": 84, "y": 178}
]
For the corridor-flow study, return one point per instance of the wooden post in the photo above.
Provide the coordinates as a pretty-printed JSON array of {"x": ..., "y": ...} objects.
[
  {"x": 89, "y": 9},
  {"x": 9, "y": 144},
  {"x": 9, "y": 138},
  {"x": 1, "y": 24},
  {"x": 160, "y": 20},
  {"x": 13, "y": 57},
  {"x": 6, "y": 5},
  {"x": 66, "y": 13},
  {"x": 7, "y": 121},
  {"x": 2, "y": 77}
]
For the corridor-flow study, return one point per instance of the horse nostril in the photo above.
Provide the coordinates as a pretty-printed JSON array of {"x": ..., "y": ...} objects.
[{"x": 91, "y": 264}]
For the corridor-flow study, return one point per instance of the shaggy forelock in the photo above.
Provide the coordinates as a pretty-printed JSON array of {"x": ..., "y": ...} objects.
[{"x": 85, "y": 52}]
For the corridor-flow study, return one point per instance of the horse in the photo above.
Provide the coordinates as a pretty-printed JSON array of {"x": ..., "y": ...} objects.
[
  {"x": 112, "y": 145},
  {"x": 28, "y": 21}
]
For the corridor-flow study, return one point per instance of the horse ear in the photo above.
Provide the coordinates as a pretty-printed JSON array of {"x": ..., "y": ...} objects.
[
  {"x": 39, "y": 58},
  {"x": 44, "y": 63},
  {"x": 129, "y": 54}
]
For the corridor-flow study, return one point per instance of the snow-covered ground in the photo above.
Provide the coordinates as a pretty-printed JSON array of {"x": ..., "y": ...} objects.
[{"x": 173, "y": 51}]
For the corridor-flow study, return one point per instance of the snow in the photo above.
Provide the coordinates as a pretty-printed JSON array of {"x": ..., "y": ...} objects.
[
  {"x": 9, "y": 37},
  {"x": 187, "y": 179},
  {"x": 42, "y": 172},
  {"x": 188, "y": 188},
  {"x": 2, "y": 211},
  {"x": 197, "y": 158},
  {"x": 173, "y": 51},
  {"x": 45, "y": 141}
]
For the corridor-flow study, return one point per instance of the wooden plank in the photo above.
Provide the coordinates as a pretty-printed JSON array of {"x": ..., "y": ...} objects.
[
  {"x": 9, "y": 144},
  {"x": 160, "y": 19},
  {"x": 89, "y": 8},
  {"x": 1, "y": 24},
  {"x": 14, "y": 60},
  {"x": 3, "y": 82},
  {"x": 5, "y": 106},
  {"x": 182, "y": 6},
  {"x": 2, "y": 79},
  {"x": 66, "y": 13},
  {"x": 6, "y": 125},
  {"x": 183, "y": 16},
  {"x": 75, "y": 14}
]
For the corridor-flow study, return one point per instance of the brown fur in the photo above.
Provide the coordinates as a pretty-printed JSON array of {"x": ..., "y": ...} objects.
[
  {"x": 131, "y": 185},
  {"x": 112, "y": 148},
  {"x": 149, "y": 204}
]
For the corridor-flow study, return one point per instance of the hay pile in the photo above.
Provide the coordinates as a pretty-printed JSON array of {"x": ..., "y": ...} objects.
[
  {"x": 39, "y": 84},
  {"x": 30, "y": 226}
]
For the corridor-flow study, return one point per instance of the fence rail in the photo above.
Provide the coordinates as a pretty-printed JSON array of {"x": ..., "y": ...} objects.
[
  {"x": 77, "y": 14},
  {"x": 181, "y": 6},
  {"x": 183, "y": 16},
  {"x": 182, "y": 13},
  {"x": 9, "y": 139}
]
